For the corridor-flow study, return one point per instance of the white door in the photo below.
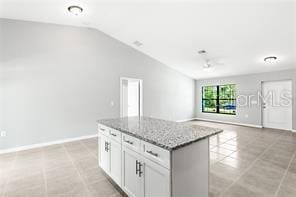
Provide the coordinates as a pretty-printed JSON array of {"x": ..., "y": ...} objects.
[
  {"x": 104, "y": 154},
  {"x": 131, "y": 181},
  {"x": 156, "y": 180},
  {"x": 115, "y": 161},
  {"x": 131, "y": 97},
  {"x": 277, "y": 104}
]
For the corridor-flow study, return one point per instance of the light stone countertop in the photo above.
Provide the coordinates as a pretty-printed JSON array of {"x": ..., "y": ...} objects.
[{"x": 166, "y": 134}]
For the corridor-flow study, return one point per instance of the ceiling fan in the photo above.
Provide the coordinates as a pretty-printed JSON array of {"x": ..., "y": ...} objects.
[{"x": 209, "y": 63}]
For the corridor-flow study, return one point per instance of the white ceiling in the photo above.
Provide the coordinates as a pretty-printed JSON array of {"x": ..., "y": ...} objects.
[{"x": 237, "y": 33}]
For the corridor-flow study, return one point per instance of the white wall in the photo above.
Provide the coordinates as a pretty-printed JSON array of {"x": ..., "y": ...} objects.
[
  {"x": 58, "y": 80},
  {"x": 246, "y": 85}
]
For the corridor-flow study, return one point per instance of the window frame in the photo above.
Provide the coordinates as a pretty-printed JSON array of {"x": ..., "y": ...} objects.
[{"x": 218, "y": 99}]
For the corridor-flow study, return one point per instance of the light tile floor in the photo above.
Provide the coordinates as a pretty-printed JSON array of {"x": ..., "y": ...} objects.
[
  {"x": 244, "y": 162},
  {"x": 250, "y": 162}
]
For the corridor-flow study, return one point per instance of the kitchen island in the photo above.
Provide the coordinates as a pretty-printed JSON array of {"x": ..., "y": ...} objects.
[{"x": 148, "y": 157}]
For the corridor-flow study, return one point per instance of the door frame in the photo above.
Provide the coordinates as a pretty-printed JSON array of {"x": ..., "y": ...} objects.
[
  {"x": 261, "y": 100},
  {"x": 121, "y": 94}
]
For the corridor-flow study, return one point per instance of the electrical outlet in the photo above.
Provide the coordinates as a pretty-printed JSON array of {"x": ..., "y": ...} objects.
[{"x": 3, "y": 133}]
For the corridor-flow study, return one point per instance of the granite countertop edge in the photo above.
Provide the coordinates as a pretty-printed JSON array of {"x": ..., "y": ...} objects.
[
  {"x": 217, "y": 131},
  {"x": 164, "y": 146}
]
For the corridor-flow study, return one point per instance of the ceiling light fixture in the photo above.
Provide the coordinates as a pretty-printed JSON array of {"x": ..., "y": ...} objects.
[
  {"x": 270, "y": 60},
  {"x": 74, "y": 9},
  {"x": 202, "y": 52}
]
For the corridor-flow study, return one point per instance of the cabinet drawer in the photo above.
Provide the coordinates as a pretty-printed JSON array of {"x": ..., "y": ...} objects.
[
  {"x": 115, "y": 135},
  {"x": 131, "y": 142},
  {"x": 103, "y": 129},
  {"x": 156, "y": 154}
]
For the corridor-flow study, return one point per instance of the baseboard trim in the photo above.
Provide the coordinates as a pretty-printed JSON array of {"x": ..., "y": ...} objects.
[
  {"x": 186, "y": 120},
  {"x": 228, "y": 122},
  {"x": 27, "y": 147}
]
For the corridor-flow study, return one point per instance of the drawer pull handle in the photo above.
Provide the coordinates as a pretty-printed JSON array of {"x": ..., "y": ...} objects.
[
  {"x": 129, "y": 142},
  {"x": 107, "y": 146},
  {"x": 113, "y": 134},
  {"x": 137, "y": 166},
  {"x": 152, "y": 153},
  {"x": 140, "y": 169}
]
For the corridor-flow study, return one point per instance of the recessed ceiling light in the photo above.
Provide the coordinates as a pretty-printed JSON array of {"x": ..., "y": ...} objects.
[
  {"x": 76, "y": 10},
  {"x": 270, "y": 60}
]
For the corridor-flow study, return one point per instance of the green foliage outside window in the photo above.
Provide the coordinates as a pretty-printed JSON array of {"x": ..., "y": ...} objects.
[{"x": 219, "y": 99}]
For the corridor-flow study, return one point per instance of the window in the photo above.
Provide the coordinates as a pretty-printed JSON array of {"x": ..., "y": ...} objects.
[{"x": 219, "y": 99}]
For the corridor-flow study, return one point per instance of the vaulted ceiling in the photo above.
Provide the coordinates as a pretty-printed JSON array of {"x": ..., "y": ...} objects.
[{"x": 237, "y": 34}]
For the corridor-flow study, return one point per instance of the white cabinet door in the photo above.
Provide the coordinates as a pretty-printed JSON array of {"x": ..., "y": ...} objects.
[
  {"x": 104, "y": 155},
  {"x": 115, "y": 161},
  {"x": 131, "y": 181},
  {"x": 156, "y": 180}
]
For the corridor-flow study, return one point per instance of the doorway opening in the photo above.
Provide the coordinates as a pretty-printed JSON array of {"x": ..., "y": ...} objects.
[
  {"x": 131, "y": 97},
  {"x": 277, "y": 104}
]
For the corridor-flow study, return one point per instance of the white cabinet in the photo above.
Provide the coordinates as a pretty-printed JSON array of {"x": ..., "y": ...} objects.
[
  {"x": 142, "y": 169},
  {"x": 131, "y": 180},
  {"x": 110, "y": 157},
  {"x": 138, "y": 171},
  {"x": 115, "y": 161},
  {"x": 142, "y": 177},
  {"x": 104, "y": 154},
  {"x": 156, "y": 180}
]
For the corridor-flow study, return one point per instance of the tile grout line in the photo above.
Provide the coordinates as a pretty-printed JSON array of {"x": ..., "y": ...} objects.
[
  {"x": 44, "y": 172},
  {"x": 247, "y": 169},
  {"x": 228, "y": 156},
  {"x": 285, "y": 174},
  {"x": 79, "y": 174},
  {"x": 88, "y": 150}
]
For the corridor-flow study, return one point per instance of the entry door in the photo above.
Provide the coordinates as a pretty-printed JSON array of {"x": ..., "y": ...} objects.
[{"x": 277, "y": 104}]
